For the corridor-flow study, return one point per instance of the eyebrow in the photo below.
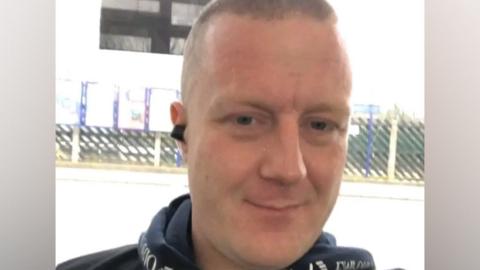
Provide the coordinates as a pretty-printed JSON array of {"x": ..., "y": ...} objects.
[
  {"x": 223, "y": 104},
  {"x": 327, "y": 107}
]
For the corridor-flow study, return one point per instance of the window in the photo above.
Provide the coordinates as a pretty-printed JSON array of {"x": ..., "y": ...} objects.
[
  {"x": 157, "y": 26},
  {"x": 136, "y": 5},
  {"x": 124, "y": 42},
  {"x": 185, "y": 14}
]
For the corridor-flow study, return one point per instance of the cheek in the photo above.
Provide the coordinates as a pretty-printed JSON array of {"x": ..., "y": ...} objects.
[
  {"x": 219, "y": 165},
  {"x": 325, "y": 173},
  {"x": 325, "y": 167}
]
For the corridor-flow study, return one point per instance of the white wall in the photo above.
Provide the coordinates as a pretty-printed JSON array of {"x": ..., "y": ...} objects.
[{"x": 78, "y": 55}]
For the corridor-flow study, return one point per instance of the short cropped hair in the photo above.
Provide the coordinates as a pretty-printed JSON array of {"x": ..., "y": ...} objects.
[{"x": 256, "y": 9}]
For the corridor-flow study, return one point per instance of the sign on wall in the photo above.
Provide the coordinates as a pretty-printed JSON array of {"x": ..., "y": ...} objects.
[
  {"x": 67, "y": 102},
  {"x": 131, "y": 107},
  {"x": 159, "y": 117},
  {"x": 99, "y": 105}
]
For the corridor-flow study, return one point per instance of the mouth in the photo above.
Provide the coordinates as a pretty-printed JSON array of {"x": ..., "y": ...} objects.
[{"x": 279, "y": 207}]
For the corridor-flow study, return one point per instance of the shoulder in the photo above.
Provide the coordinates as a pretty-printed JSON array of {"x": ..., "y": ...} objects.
[{"x": 121, "y": 258}]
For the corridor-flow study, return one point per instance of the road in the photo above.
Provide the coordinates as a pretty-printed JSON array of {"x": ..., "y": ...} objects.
[{"x": 101, "y": 209}]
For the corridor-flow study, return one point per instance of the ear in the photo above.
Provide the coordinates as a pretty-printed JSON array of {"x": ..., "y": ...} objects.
[
  {"x": 178, "y": 117},
  {"x": 177, "y": 113}
]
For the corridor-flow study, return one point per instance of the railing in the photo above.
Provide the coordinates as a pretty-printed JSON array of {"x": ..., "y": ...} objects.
[{"x": 387, "y": 149}]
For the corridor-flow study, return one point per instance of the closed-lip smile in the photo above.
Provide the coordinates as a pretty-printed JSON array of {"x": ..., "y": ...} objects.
[{"x": 279, "y": 207}]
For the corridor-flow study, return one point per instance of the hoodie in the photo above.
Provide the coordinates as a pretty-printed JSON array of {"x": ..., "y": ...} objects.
[{"x": 167, "y": 245}]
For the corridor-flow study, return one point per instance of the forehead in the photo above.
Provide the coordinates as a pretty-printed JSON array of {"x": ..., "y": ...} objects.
[
  {"x": 278, "y": 57},
  {"x": 295, "y": 36}
]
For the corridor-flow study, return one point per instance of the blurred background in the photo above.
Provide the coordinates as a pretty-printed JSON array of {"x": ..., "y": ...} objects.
[{"x": 118, "y": 65}]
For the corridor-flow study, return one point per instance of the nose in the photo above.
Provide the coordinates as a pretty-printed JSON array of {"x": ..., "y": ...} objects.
[{"x": 283, "y": 161}]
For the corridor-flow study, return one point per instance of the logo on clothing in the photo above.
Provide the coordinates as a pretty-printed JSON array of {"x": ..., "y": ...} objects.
[
  {"x": 318, "y": 265},
  {"x": 321, "y": 265},
  {"x": 150, "y": 261},
  {"x": 353, "y": 265},
  {"x": 342, "y": 265}
]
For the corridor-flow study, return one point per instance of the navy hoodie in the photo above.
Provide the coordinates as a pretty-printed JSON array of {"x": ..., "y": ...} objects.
[{"x": 167, "y": 245}]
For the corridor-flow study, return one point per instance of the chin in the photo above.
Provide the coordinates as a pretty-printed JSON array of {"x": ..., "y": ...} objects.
[{"x": 274, "y": 240}]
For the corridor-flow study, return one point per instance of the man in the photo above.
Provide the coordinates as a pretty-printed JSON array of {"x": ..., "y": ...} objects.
[{"x": 263, "y": 128}]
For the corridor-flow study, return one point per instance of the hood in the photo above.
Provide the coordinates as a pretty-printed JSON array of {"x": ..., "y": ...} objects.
[{"x": 167, "y": 245}]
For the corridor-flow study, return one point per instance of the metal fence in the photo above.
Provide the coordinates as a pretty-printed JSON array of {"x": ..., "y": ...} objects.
[
  {"x": 386, "y": 149},
  {"x": 115, "y": 146},
  {"x": 380, "y": 149}
]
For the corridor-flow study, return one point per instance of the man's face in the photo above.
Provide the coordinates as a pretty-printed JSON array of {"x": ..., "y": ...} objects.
[{"x": 266, "y": 139}]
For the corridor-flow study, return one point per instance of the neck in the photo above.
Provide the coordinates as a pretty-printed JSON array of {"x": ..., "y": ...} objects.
[{"x": 208, "y": 257}]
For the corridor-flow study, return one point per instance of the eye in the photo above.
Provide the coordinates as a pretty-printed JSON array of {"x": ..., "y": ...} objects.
[
  {"x": 244, "y": 120},
  {"x": 319, "y": 125}
]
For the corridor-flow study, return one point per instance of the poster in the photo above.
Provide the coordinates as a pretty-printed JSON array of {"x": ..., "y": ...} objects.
[
  {"x": 67, "y": 102},
  {"x": 131, "y": 107},
  {"x": 160, "y": 100},
  {"x": 100, "y": 100}
]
